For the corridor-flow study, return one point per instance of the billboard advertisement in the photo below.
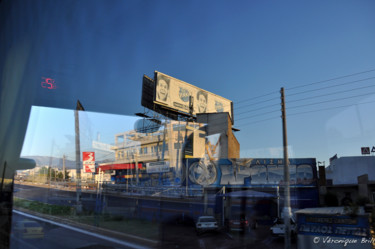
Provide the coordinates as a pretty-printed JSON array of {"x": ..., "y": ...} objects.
[
  {"x": 333, "y": 227},
  {"x": 175, "y": 94},
  {"x": 157, "y": 167},
  {"x": 88, "y": 159},
  {"x": 251, "y": 172}
]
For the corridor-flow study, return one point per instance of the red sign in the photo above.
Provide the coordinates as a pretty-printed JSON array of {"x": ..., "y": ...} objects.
[
  {"x": 88, "y": 159},
  {"x": 48, "y": 83}
]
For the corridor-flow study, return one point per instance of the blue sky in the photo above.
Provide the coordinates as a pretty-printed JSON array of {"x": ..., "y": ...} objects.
[{"x": 98, "y": 52}]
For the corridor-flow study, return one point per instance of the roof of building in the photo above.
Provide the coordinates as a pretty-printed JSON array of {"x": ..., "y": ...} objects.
[{"x": 328, "y": 211}]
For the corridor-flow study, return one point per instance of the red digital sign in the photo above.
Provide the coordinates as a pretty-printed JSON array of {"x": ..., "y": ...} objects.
[{"x": 48, "y": 83}]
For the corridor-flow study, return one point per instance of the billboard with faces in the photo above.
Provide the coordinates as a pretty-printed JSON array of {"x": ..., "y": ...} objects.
[{"x": 176, "y": 94}]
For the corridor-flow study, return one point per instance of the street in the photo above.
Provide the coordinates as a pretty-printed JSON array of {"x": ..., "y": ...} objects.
[
  {"x": 172, "y": 234},
  {"x": 59, "y": 236},
  {"x": 184, "y": 236}
]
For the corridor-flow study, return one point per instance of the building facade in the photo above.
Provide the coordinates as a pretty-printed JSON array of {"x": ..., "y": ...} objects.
[
  {"x": 166, "y": 150},
  {"x": 345, "y": 170}
]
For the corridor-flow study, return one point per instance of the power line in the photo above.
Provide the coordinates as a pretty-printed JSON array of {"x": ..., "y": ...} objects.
[
  {"x": 257, "y": 103},
  {"x": 336, "y": 78},
  {"x": 259, "y": 121},
  {"x": 334, "y": 93},
  {"x": 236, "y": 107},
  {"x": 103, "y": 157},
  {"x": 258, "y": 109},
  {"x": 330, "y": 108},
  {"x": 309, "y": 84},
  {"x": 256, "y": 97},
  {"x": 305, "y": 112},
  {"x": 258, "y": 115},
  {"x": 341, "y": 84},
  {"x": 321, "y": 102}
]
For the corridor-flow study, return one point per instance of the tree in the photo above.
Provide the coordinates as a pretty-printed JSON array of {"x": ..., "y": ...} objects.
[{"x": 67, "y": 176}]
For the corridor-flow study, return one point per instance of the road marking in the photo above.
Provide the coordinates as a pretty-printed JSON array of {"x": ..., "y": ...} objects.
[
  {"x": 14, "y": 239},
  {"x": 117, "y": 241}
]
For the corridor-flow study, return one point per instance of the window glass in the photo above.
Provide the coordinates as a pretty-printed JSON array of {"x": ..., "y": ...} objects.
[
  {"x": 139, "y": 117},
  {"x": 275, "y": 174},
  {"x": 258, "y": 174},
  {"x": 304, "y": 174}
]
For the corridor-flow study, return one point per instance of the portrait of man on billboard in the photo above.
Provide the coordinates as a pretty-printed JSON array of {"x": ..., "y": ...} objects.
[
  {"x": 162, "y": 89},
  {"x": 201, "y": 102}
]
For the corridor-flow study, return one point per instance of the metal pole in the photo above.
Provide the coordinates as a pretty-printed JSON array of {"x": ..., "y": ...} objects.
[
  {"x": 186, "y": 177},
  {"x": 136, "y": 169},
  {"x": 3, "y": 177},
  {"x": 64, "y": 168},
  {"x": 278, "y": 201},
  {"x": 286, "y": 175},
  {"x": 162, "y": 153},
  {"x": 223, "y": 207},
  {"x": 49, "y": 176},
  {"x": 78, "y": 158},
  {"x": 179, "y": 145}
]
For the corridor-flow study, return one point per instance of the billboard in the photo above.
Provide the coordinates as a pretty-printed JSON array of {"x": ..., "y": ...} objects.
[
  {"x": 101, "y": 146},
  {"x": 157, "y": 167},
  {"x": 242, "y": 172},
  {"x": 88, "y": 162},
  {"x": 333, "y": 227},
  {"x": 175, "y": 94},
  {"x": 148, "y": 89}
]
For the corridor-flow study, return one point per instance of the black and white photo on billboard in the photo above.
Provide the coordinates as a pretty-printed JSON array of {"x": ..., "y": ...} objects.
[
  {"x": 201, "y": 102},
  {"x": 162, "y": 89},
  {"x": 175, "y": 94}
]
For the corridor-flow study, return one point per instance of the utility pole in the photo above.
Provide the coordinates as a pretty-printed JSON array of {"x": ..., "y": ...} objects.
[
  {"x": 179, "y": 144},
  {"x": 78, "y": 157},
  {"x": 49, "y": 176},
  {"x": 136, "y": 169},
  {"x": 64, "y": 169},
  {"x": 191, "y": 108},
  {"x": 286, "y": 175},
  {"x": 50, "y": 166}
]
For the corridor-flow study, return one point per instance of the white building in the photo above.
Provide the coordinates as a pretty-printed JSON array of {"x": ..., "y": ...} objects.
[
  {"x": 84, "y": 176},
  {"x": 345, "y": 170}
]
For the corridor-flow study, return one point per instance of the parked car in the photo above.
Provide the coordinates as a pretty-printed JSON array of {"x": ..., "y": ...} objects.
[
  {"x": 28, "y": 229},
  {"x": 205, "y": 224},
  {"x": 241, "y": 222},
  {"x": 278, "y": 228}
]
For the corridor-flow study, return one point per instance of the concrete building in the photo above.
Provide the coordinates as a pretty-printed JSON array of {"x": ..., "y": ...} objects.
[
  {"x": 84, "y": 176},
  {"x": 210, "y": 136},
  {"x": 349, "y": 178},
  {"x": 345, "y": 170},
  {"x": 221, "y": 124}
]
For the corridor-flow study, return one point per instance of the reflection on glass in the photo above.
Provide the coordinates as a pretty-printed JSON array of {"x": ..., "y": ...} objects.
[
  {"x": 258, "y": 174},
  {"x": 304, "y": 174},
  {"x": 149, "y": 174},
  {"x": 275, "y": 174}
]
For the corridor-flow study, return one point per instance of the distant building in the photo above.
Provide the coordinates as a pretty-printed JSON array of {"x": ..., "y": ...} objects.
[
  {"x": 84, "y": 176},
  {"x": 345, "y": 170},
  {"x": 164, "y": 150},
  {"x": 349, "y": 178},
  {"x": 176, "y": 139}
]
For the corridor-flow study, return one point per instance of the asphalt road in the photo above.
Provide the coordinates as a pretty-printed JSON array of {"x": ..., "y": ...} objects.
[
  {"x": 171, "y": 235},
  {"x": 60, "y": 236},
  {"x": 184, "y": 236}
]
